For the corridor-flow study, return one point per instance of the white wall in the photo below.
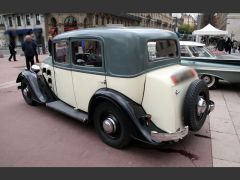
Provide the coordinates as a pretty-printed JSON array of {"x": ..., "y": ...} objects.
[{"x": 233, "y": 25}]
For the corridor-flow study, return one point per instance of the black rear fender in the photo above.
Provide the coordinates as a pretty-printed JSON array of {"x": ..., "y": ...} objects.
[{"x": 134, "y": 111}]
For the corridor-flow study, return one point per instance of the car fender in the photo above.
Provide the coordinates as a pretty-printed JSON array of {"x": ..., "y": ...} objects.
[
  {"x": 134, "y": 111},
  {"x": 32, "y": 78}
]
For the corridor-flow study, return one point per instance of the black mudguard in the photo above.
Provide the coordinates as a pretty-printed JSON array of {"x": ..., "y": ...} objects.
[
  {"x": 41, "y": 91},
  {"x": 134, "y": 111}
]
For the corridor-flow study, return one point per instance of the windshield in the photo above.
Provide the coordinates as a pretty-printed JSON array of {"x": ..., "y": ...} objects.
[{"x": 200, "y": 51}]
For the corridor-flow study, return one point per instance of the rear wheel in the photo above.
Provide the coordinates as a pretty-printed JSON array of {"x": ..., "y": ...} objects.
[
  {"x": 211, "y": 81},
  {"x": 112, "y": 125},
  {"x": 27, "y": 93}
]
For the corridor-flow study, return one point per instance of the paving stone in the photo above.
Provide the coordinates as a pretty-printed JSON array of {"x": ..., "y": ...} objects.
[
  {"x": 225, "y": 146},
  {"x": 222, "y": 125},
  {"x": 220, "y": 111},
  {"x": 223, "y": 163}
]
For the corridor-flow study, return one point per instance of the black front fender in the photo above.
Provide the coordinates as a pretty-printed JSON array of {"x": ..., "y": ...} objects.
[
  {"x": 32, "y": 79},
  {"x": 134, "y": 111}
]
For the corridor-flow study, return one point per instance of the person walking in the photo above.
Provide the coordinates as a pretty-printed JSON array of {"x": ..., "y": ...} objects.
[
  {"x": 235, "y": 45},
  {"x": 12, "y": 47},
  {"x": 228, "y": 46},
  {"x": 35, "y": 41},
  {"x": 29, "y": 49},
  {"x": 220, "y": 44},
  {"x": 50, "y": 45}
]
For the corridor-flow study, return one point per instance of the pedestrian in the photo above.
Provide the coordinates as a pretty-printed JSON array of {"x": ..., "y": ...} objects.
[
  {"x": 29, "y": 49},
  {"x": 12, "y": 47},
  {"x": 234, "y": 46},
  {"x": 50, "y": 45},
  {"x": 35, "y": 41},
  {"x": 220, "y": 44},
  {"x": 228, "y": 46}
]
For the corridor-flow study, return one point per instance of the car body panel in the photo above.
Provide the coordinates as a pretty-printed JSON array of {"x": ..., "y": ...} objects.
[
  {"x": 85, "y": 85},
  {"x": 161, "y": 100},
  {"x": 133, "y": 88},
  {"x": 226, "y": 67}
]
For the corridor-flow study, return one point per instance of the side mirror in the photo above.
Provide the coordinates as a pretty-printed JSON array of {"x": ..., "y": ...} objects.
[{"x": 35, "y": 68}]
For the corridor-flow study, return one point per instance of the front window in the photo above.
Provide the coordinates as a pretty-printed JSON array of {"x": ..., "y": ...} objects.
[
  {"x": 200, "y": 51},
  {"x": 160, "y": 49},
  {"x": 61, "y": 52},
  {"x": 87, "y": 53}
]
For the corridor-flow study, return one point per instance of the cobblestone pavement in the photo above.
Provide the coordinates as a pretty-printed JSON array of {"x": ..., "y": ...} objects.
[
  {"x": 225, "y": 126},
  {"x": 37, "y": 136}
]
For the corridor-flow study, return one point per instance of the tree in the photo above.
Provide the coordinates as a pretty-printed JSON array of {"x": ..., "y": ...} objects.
[{"x": 185, "y": 29}]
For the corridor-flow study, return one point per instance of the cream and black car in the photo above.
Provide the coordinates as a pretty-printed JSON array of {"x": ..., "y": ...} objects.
[{"x": 128, "y": 82}]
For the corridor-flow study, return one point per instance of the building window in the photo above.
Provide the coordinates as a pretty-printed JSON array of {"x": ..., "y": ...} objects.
[
  {"x": 28, "y": 20},
  {"x": 37, "y": 19},
  {"x": 103, "y": 19},
  {"x": 108, "y": 20},
  {"x": 96, "y": 20},
  {"x": 10, "y": 21},
  {"x": 70, "y": 23},
  {"x": 53, "y": 22},
  {"x": 18, "y": 20},
  {"x": 113, "y": 20}
]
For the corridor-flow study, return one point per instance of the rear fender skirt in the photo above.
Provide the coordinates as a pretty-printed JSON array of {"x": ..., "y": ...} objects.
[{"x": 134, "y": 111}]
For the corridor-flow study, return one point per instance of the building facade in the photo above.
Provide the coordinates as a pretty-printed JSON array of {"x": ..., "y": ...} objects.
[
  {"x": 61, "y": 22},
  {"x": 51, "y": 24},
  {"x": 188, "y": 19},
  {"x": 23, "y": 24},
  {"x": 156, "y": 20},
  {"x": 229, "y": 22}
]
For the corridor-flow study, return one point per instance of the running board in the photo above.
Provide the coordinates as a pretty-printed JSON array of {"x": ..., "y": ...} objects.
[{"x": 68, "y": 110}]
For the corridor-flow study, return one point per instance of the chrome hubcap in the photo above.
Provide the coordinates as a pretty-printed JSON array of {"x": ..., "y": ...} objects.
[
  {"x": 207, "y": 79},
  {"x": 202, "y": 106},
  {"x": 109, "y": 125},
  {"x": 26, "y": 91}
]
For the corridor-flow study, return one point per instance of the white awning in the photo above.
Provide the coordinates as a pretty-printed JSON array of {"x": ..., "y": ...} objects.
[{"x": 209, "y": 30}]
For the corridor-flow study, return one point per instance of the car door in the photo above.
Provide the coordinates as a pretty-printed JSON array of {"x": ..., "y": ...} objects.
[
  {"x": 88, "y": 72},
  {"x": 62, "y": 72}
]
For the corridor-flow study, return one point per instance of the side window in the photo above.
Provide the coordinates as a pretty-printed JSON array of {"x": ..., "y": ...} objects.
[
  {"x": 61, "y": 52},
  {"x": 87, "y": 53},
  {"x": 184, "y": 52},
  {"x": 164, "y": 48}
]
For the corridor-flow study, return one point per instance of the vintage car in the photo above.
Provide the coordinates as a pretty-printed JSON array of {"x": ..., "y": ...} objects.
[
  {"x": 210, "y": 67},
  {"x": 126, "y": 81}
]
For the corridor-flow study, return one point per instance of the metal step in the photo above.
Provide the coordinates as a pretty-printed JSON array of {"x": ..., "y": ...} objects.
[{"x": 68, "y": 110}]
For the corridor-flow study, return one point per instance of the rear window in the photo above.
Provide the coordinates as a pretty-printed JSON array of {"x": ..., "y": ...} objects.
[{"x": 161, "y": 49}]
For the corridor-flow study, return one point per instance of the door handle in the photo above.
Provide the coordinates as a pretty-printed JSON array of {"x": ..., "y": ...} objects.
[{"x": 103, "y": 82}]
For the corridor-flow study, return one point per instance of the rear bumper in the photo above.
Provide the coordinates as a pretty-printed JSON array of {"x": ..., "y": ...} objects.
[
  {"x": 162, "y": 137},
  {"x": 211, "y": 106}
]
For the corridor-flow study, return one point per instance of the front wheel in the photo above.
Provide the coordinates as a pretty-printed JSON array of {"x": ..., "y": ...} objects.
[
  {"x": 211, "y": 81},
  {"x": 27, "y": 93},
  {"x": 111, "y": 125}
]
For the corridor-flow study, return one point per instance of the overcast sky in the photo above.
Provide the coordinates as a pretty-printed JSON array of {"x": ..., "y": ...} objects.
[{"x": 179, "y": 14}]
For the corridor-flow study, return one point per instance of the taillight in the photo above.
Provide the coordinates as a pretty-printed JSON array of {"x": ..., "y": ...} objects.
[
  {"x": 194, "y": 73},
  {"x": 182, "y": 76}
]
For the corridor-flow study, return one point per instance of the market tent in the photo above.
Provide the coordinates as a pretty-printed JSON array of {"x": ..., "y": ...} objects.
[{"x": 209, "y": 30}]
